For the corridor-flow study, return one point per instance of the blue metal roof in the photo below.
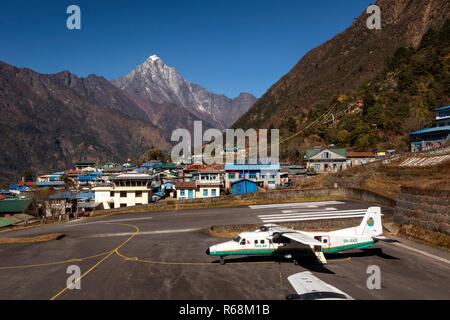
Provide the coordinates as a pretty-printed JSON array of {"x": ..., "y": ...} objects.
[
  {"x": 13, "y": 187},
  {"x": 435, "y": 129},
  {"x": 241, "y": 180},
  {"x": 443, "y": 108},
  {"x": 86, "y": 178},
  {"x": 246, "y": 167},
  {"x": 50, "y": 183},
  {"x": 150, "y": 164}
]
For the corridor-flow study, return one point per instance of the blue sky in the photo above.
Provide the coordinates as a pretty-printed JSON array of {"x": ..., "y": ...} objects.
[{"x": 225, "y": 46}]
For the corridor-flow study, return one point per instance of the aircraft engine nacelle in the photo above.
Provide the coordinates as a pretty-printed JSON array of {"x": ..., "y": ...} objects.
[{"x": 276, "y": 237}]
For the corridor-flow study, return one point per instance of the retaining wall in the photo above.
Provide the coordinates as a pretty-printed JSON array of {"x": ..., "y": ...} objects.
[
  {"x": 429, "y": 209},
  {"x": 344, "y": 193}
]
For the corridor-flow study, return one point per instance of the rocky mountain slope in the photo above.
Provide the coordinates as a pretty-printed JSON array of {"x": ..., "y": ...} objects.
[
  {"x": 341, "y": 64},
  {"x": 154, "y": 85},
  {"x": 48, "y": 122}
]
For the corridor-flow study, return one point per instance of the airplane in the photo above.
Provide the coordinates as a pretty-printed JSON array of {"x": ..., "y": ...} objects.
[{"x": 275, "y": 240}]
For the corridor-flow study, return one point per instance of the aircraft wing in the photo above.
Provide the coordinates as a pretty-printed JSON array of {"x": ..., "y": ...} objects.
[
  {"x": 309, "y": 287},
  {"x": 293, "y": 235},
  {"x": 302, "y": 238}
]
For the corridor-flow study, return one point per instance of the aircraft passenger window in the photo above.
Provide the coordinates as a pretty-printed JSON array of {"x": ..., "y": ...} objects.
[
  {"x": 270, "y": 241},
  {"x": 325, "y": 240},
  {"x": 256, "y": 241},
  {"x": 243, "y": 242},
  {"x": 262, "y": 241}
]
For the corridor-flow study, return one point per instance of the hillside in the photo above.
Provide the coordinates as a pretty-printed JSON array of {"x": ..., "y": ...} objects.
[
  {"x": 338, "y": 68},
  {"x": 48, "y": 122},
  {"x": 401, "y": 99}
]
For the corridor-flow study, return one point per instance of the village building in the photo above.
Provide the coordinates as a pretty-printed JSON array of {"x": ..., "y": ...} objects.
[
  {"x": 244, "y": 186},
  {"x": 207, "y": 184},
  {"x": 433, "y": 138},
  {"x": 126, "y": 190},
  {"x": 186, "y": 189},
  {"x": 266, "y": 175},
  {"x": 326, "y": 160},
  {"x": 358, "y": 158},
  {"x": 80, "y": 165}
]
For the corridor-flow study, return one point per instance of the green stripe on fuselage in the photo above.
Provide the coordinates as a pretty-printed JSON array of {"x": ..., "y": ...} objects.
[{"x": 294, "y": 251}]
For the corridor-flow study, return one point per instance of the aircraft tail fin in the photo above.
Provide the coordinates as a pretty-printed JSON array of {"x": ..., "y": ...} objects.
[{"x": 371, "y": 223}]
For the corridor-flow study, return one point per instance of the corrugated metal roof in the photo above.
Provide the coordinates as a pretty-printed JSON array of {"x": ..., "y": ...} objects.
[
  {"x": 4, "y": 222},
  {"x": 242, "y": 167},
  {"x": 13, "y": 206},
  {"x": 435, "y": 129},
  {"x": 49, "y": 183},
  {"x": 312, "y": 153}
]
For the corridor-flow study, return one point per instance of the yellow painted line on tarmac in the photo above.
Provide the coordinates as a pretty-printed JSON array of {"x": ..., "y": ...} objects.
[
  {"x": 98, "y": 263},
  {"x": 54, "y": 263}
]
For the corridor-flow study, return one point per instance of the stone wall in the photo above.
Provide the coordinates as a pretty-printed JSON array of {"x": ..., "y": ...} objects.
[
  {"x": 429, "y": 209},
  {"x": 275, "y": 195}
]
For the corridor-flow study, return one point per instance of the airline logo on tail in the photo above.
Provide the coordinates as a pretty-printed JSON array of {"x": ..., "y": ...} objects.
[{"x": 370, "y": 222}]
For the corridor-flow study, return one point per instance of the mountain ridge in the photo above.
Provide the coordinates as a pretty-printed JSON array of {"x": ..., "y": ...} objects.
[
  {"x": 340, "y": 64},
  {"x": 154, "y": 83}
]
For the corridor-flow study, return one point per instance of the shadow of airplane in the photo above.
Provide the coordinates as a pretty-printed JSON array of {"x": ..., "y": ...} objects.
[
  {"x": 308, "y": 262},
  {"x": 370, "y": 252}
]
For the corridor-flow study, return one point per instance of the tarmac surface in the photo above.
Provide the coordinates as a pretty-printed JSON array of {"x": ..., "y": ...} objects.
[{"x": 161, "y": 255}]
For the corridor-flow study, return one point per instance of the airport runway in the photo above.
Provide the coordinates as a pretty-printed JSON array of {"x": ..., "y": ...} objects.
[{"x": 161, "y": 255}]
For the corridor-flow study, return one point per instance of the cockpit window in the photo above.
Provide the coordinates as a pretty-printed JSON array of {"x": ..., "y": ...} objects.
[
  {"x": 237, "y": 239},
  {"x": 242, "y": 242}
]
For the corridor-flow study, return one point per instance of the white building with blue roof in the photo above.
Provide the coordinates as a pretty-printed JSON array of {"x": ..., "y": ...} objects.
[
  {"x": 433, "y": 138},
  {"x": 265, "y": 175}
]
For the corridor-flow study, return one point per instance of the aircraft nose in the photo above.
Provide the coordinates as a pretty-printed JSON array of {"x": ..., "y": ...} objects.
[{"x": 207, "y": 251}]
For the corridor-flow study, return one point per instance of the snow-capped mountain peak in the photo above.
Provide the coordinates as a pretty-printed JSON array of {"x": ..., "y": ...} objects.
[{"x": 155, "y": 81}]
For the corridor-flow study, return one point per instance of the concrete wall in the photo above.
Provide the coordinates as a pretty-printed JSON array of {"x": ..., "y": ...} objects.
[
  {"x": 429, "y": 209},
  {"x": 346, "y": 193}
]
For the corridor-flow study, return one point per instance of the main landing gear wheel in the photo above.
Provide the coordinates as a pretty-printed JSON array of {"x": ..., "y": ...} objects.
[
  {"x": 222, "y": 260},
  {"x": 295, "y": 262}
]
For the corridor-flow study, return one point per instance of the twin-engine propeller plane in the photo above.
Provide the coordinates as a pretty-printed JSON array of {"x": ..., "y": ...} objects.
[{"x": 275, "y": 240}]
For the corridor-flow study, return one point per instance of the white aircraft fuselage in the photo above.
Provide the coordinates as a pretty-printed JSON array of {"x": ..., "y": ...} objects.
[{"x": 283, "y": 242}]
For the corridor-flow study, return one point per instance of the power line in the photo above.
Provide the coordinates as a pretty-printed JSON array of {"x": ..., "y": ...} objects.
[{"x": 327, "y": 113}]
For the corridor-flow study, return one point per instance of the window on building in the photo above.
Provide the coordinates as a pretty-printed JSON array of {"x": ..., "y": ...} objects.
[
  {"x": 182, "y": 193},
  {"x": 111, "y": 193},
  {"x": 252, "y": 176},
  {"x": 263, "y": 176},
  {"x": 241, "y": 176},
  {"x": 138, "y": 194},
  {"x": 123, "y": 194},
  {"x": 231, "y": 176},
  {"x": 213, "y": 192},
  {"x": 123, "y": 205},
  {"x": 205, "y": 192}
]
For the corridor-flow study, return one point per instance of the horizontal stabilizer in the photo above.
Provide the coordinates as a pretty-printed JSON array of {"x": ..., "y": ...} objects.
[{"x": 384, "y": 239}]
